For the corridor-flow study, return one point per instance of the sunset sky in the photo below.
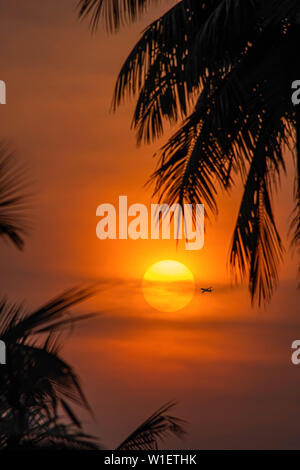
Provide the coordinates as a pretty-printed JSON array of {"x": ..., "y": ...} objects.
[{"x": 226, "y": 364}]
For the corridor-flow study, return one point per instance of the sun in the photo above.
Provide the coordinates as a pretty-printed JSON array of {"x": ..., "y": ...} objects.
[{"x": 168, "y": 286}]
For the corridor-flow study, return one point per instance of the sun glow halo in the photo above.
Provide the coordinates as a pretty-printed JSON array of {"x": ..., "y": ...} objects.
[{"x": 168, "y": 286}]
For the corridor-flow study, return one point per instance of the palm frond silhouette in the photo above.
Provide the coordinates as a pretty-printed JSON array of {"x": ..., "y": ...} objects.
[
  {"x": 12, "y": 199},
  {"x": 38, "y": 388},
  {"x": 157, "y": 427},
  {"x": 223, "y": 70},
  {"x": 36, "y": 383},
  {"x": 114, "y": 12}
]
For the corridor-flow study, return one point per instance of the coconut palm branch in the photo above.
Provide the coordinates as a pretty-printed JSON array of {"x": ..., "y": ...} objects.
[
  {"x": 295, "y": 225},
  {"x": 223, "y": 70},
  {"x": 12, "y": 199},
  {"x": 37, "y": 387},
  {"x": 157, "y": 427},
  {"x": 17, "y": 324},
  {"x": 36, "y": 384},
  {"x": 43, "y": 433},
  {"x": 114, "y": 12}
]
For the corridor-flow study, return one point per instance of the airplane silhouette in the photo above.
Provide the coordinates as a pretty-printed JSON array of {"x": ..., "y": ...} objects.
[{"x": 204, "y": 290}]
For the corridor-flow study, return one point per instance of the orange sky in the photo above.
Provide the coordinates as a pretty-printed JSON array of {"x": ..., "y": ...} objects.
[{"x": 227, "y": 365}]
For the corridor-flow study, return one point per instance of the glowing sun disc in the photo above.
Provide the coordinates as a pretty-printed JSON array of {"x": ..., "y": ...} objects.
[{"x": 168, "y": 286}]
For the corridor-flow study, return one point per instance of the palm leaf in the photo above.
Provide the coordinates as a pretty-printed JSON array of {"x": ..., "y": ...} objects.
[
  {"x": 295, "y": 224},
  {"x": 12, "y": 199},
  {"x": 114, "y": 12},
  {"x": 224, "y": 68},
  {"x": 15, "y": 323},
  {"x": 256, "y": 246},
  {"x": 35, "y": 380},
  {"x": 33, "y": 370},
  {"x": 156, "y": 427},
  {"x": 44, "y": 433},
  {"x": 157, "y": 69}
]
